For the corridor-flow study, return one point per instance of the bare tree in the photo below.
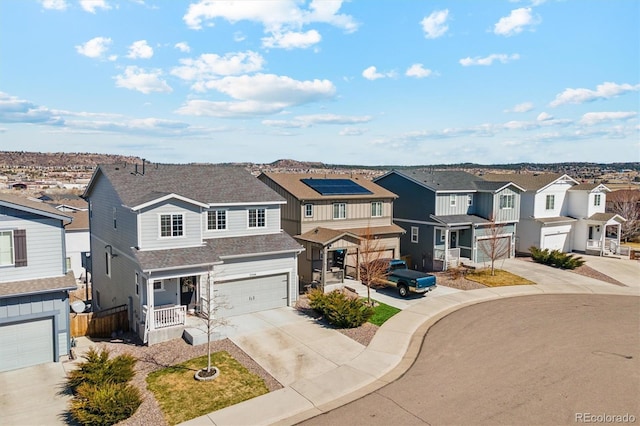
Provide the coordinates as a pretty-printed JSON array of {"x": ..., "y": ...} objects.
[
  {"x": 373, "y": 267},
  {"x": 208, "y": 313},
  {"x": 626, "y": 203},
  {"x": 495, "y": 246}
]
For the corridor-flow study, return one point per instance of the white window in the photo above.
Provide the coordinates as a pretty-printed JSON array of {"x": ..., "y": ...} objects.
[
  {"x": 257, "y": 218},
  {"x": 339, "y": 211},
  {"x": 308, "y": 210},
  {"x": 216, "y": 220},
  {"x": 469, "y": 200},
  {"x": 6, "y": 248},
  {"x": 171, "y": 225},
  {"x": 158, "y": 286},
  {"x": 452, "y": 200},
  {"x": 506, "y": 201},
  {"x": 376, "y": 209},
  {"x": 596, "y": 200},
  {"x": 68, "y": 264},
  {"x": 137, "y": 284},
  {"x": 550, "y": 203},
  {"x": 115, "y": 221},
  {"x": 414, "y": 234}
]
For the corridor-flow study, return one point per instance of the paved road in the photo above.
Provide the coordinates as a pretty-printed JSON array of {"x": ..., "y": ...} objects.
[{"x": 526, "y": 360}]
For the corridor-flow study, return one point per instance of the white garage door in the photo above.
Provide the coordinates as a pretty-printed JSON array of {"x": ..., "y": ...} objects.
[
  {"x": 556, "y": 242},
  {"x": 251, "y": 295},
  {"x": 27, "y": 343},
  {"x": 488, "y": 247}
]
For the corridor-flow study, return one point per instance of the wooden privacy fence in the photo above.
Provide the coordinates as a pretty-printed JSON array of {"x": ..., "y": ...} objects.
[{"x": 100, "y": 324}]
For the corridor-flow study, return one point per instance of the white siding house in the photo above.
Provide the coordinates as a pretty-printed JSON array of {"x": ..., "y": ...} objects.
[{"x": 162, "y": 236}]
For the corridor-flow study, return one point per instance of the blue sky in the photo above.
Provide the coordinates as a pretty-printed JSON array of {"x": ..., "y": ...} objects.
[{"x": 382, "y": 82}]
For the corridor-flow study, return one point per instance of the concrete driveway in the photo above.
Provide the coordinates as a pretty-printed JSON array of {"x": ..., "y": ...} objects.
[{"x": 34, "y": 395}]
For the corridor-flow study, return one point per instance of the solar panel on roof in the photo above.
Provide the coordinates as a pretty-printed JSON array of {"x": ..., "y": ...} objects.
[{"x": 335, "y": 187}]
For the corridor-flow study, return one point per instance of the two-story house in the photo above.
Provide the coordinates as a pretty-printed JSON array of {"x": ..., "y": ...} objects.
[
  {"x": 332, "y": 215},
  {"x": 559, "y": 213},
  {"x": 34, "y": 283},
  {"x": 450, "y": 216},
  {"x": 164, "y": 237}
]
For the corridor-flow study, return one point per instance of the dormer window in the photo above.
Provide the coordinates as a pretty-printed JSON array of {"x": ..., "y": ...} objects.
[
  {"x": 452, "y": 200},
  {"x": 216, "y": 220},
  {"x": 506, "y": 201},
  {"x": 597, "y": 199},
  {"x": 550, "y": 203},
  {"x": 171, "y": 225},
  {"x": 257, "y": 218},
  {"x": 469, "y": 200}
]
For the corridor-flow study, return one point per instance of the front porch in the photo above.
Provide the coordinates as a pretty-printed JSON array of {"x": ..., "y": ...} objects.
[{"x": 603, "y": 234}]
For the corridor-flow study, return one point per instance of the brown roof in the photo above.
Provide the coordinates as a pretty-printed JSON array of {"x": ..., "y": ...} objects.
[
  {"x": 292, "y": 183},
  {"x": 37, "y": 286},
  {"x": 325, "y": 235},
  {"x": 378, "y": 230},
  {"x": 557, "y": 219},
  {"x": 529, "y": 181},
  {"x": 80, "y": 221},
  {"x": 604, "y": 217},
  {"x": 42, "y": 208},
  {"x": 585, "y": 186}
]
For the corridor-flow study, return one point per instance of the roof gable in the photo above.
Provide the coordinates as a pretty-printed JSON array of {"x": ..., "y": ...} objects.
[
  {"x": 531, "y": 181},
  {"x": 34, "y": 207}
]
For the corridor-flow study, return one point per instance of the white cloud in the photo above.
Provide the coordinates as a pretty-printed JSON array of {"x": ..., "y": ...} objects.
[
  {"x": 183, "y": 47},
  {"x": 94, "y": 48},
  {"x": 352, "y": 131},
  {"x": 203, "y": 108},
  {"x": 418, "y": 71},
  {"x": 312, "y": 119},
  {"x": 435, "y": 25},
  {"x": 210, "y": 66},
  {"x": 91, "y": 5},
  {"x": 488, "y": 60},
  {"x": 592, "y": 118},
  {"x": 140, "y": 49},
  {"x": 543, "y": 116},
  {"x": 14, "y": 110},
  {"x": 372, "y": 73},
  {"x": 523, "y": 107},
  {"x": 292, "y": 40},
  {"x": 516, "y": 22},
  {"x": 275, "y": 15},
  {"x": 603, "y": 91},
  {"x": 54, "y": 4},
  {"x": 135, "y": 78}
]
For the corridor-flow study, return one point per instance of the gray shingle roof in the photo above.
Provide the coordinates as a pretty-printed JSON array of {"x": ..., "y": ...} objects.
[
  {"x": 528, "y": 181},
  {"x": 38, "y": 286},
  {"x": 45, "y": 209},
  {"x": 452, "y": 180},
  {"x": 556, "y": 219},
  {"x": 215, "y": 250},
  {"x": 461, "y": 219},
  {"x": 205, "y": 183}
]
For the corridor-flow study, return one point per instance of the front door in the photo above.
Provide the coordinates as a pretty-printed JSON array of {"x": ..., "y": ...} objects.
[
  {"x": 187, "y": 291},
  {"x": 453, "y": 239}
]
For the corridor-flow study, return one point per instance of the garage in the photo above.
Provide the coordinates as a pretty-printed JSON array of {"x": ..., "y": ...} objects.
[
  {"x": 501, "y": 246},
  {"x": 252, "y": 295},
  {"x": 559, "y": 241},
  {"x": 26, "y": 343}
]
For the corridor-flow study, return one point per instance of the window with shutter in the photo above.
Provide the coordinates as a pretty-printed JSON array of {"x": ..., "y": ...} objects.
[{"x": 20, "y": 247}]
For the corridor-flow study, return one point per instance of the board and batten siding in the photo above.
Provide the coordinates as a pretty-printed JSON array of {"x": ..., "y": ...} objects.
[
  {"x": 36, "y": 306},
  {"x": 358, "y": 215},
  {"x": 414, "y": 201},
  {"x": 45, "y": 245},
  {"x": 102, "y": 200},
  {"x": 444, "y": 207},
  {"x": 506, "y": 215}
]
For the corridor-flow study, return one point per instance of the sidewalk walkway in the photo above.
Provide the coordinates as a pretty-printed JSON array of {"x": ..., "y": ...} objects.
[{"x": 396, "y": 345}]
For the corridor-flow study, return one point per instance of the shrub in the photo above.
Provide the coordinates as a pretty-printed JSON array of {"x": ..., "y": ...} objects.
[
  {"x": 556, "y": 258},
  {"x": 104, "y": 404},
  {"x": 99, "y": 369},
  {"x": 101, "y": 395},
  {"x": 339, "y": 309}
]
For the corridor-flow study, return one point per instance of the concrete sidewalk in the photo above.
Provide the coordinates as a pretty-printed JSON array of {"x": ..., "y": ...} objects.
[{"x": 396, "y": 345}]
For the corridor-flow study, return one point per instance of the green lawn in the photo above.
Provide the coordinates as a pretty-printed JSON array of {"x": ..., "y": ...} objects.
[
  {"x": 501, "y": 278},
  {"x": 182, "y": 398},
  {"x": 382, "y": 313}
]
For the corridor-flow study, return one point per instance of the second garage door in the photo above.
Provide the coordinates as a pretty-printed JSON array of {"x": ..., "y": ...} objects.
[
  {"x": 556, "y": 242},
  {"x": 252, "y": 295},
  {"x": 26, "y": 343}
]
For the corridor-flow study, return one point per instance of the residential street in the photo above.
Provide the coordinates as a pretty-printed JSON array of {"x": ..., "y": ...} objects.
[{"x": 525, "y": 360}]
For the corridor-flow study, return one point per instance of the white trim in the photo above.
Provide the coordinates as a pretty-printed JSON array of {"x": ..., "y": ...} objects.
[
  {"x": 166, "y": 237},
  {"x": 248, "y": 203},
  {"x": 563, "y": 178},
  {"x": 333, "y": 211},
  {"x": 168, "y": 197},
  {"x": 304, "y": 207},
  {"x": 381, "y": 208},
  {"x": 13, "y": 248},
  {"x": 153, "y": 285},
  {"x": 420, "y": 222},
  {"x": 257, "y": 218},
  {"x": 417, "y": 234},
  {"x": 243, "y": 256},
  {"x": 226, "y": 220}
]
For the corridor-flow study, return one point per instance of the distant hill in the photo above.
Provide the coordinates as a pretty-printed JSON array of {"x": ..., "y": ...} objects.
[{"x": 90, "y": 160}]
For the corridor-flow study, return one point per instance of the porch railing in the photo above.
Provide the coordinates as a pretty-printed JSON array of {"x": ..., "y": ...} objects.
[
  {"x": 609, "y": 243},
  {"x": 169, "y": 316},
  {"x": 453, "y": 254}
]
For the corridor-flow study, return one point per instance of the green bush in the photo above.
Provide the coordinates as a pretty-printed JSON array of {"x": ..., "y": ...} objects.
[
  {"x": 339, "y": 309},
  {"x": 556, "y": 258},
  {"x": 99, "y": 369},
  {"x": 106, "y": 404},
  {"x": 101, "y": 395}
]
